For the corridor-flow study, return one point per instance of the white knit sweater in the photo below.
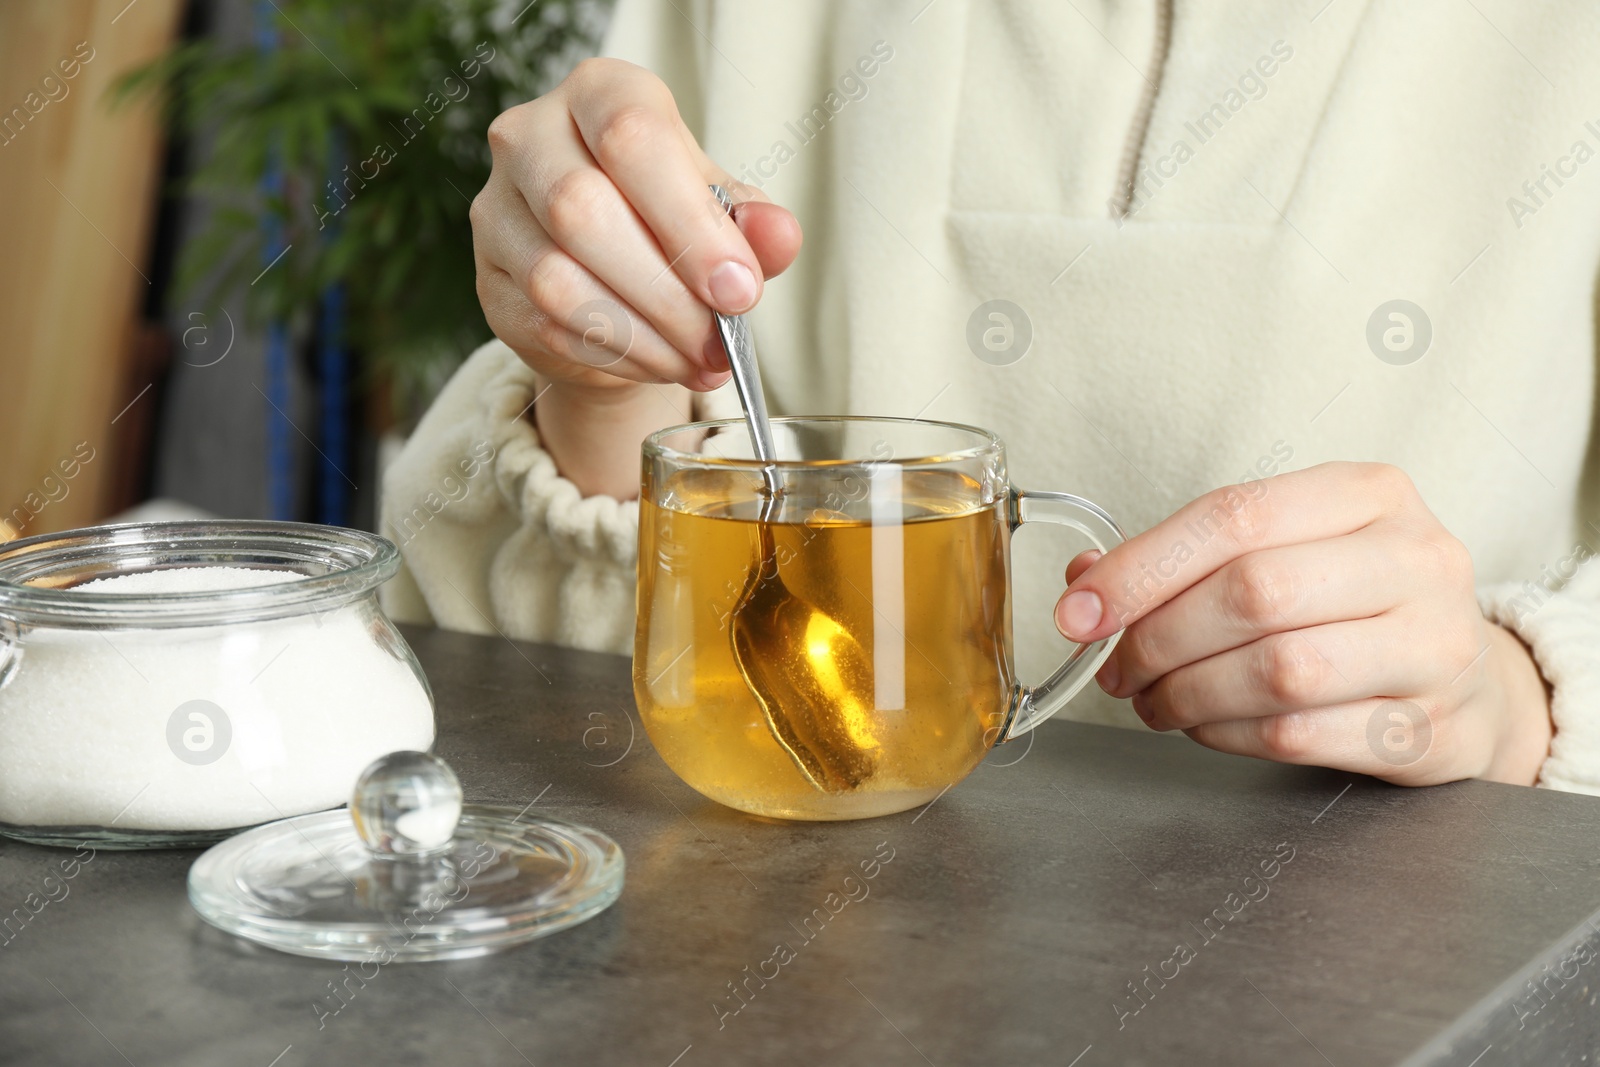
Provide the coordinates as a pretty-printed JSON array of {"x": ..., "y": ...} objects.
[{"x": 1299, "y": 170}]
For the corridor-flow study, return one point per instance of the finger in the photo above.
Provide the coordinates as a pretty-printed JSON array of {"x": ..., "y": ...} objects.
[
  {"x": 538, "y": 339},
  {"x": 631, "y": 126},
  {"x": 576, "y": 207},
  {"x": 1148, "y": 570},
  {"x": 773, "y": 232},
  {"x": 1322, "y": 737},
  {"x": 1267, "y": 592},
  {"x": 511, "y": 239},
  {"x": 1311, "y": 668},
  {"x": 546, "y": 342},
  {"x": 1081, "y": 562},
  {"x": 1396, "y": 740}
]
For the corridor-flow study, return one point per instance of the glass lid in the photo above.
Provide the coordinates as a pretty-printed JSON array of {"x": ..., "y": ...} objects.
[{"x": 407, "y": 873}]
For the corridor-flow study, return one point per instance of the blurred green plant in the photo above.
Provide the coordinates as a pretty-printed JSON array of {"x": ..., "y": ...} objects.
[{"x": 373, "y": 119}]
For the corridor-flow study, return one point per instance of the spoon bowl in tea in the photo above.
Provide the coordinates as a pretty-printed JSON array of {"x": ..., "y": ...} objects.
[{"x": 801, "y": 664}]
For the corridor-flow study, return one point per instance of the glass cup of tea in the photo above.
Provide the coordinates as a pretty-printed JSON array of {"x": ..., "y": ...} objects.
[{"x": 829, "y": 636}]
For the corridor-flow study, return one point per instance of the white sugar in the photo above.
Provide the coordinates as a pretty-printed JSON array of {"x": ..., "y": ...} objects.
[
  {"x": 98, "y": 728},
  {"x": 188, "y": 580}
]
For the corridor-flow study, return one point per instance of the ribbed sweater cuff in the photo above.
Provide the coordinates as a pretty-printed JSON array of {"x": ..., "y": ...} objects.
[{"x": 1563, "y": 631}]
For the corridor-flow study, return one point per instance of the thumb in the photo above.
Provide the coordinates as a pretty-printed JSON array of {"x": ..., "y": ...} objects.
[{"x": 773, "y": 233}]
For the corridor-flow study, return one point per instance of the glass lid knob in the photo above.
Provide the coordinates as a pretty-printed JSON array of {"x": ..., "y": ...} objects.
[{"x": 406, "y": 804}]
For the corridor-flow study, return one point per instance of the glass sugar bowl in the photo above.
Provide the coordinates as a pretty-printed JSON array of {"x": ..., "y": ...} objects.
[{"x": 167, "y": 684}]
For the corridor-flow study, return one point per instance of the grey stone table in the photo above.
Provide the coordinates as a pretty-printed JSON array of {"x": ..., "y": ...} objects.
[{"x": 1101, "y": 897}]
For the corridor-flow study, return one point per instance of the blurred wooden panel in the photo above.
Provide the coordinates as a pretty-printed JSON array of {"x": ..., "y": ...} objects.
[{"x": 77, "y": 200}]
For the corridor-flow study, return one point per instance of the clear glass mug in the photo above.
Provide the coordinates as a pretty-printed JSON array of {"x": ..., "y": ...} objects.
[{"x": 846, "y": 654}]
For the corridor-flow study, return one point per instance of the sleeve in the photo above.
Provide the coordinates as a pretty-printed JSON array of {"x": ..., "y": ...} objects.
[
  {"x": 1562, "y": 629},
  {"x": 493, "y": 539}
]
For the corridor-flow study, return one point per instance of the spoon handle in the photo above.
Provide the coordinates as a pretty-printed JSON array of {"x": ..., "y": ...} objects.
[
  {"x": 741, "y": 351},
  {"x": 747, "y": 383}
]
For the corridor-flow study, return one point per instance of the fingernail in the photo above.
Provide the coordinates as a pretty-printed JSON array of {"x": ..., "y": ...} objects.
[
  {"x": 1110, "y": 676},
  {"x": 733, "y": 287},
  {"x": 1080, "y": 614},
  {"x": 1142, "y": 708}
]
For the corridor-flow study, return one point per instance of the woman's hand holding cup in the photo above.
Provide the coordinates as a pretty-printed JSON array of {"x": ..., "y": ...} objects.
[{"x": 1323, "y": 616}]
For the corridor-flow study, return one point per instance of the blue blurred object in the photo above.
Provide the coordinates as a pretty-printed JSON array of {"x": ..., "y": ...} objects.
[
  {"x": 280, "y": 466},
  {"x": 334, "y": 502},
  {"x": 280, "y": 462}
]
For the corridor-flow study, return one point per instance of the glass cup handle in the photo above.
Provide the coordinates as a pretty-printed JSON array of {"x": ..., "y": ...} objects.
[{"x": 1032, "y": 705}]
